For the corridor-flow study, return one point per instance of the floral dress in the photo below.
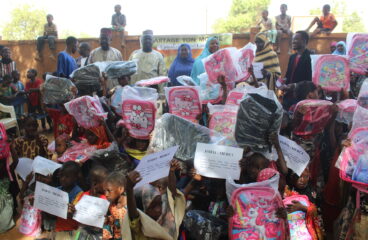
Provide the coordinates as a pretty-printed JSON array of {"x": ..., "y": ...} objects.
[
  {"x": 113, "y": 220},
  {"x": 6, "y": 206}
]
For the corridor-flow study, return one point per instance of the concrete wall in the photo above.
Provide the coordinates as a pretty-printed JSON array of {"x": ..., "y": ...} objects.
[{"x": 24, "y": 52}]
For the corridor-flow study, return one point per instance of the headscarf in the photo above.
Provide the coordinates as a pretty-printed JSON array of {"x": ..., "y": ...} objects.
[
  {"x": 198, "y": 67},
  {"x": 336, "y": 52},
  {"x": 166, "y": 220},
  {"x": 100, "y": 132},
  {"x": 181, "y": 66},
  {"x": 270, "y": 61},
  {"x": 333, "y": 44}
]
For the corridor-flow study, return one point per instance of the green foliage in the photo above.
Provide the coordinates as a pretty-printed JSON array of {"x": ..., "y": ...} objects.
[
  {"x": 243, "y": 15},
  {"x": 25, "y": 23},
  {"x": 353, "y": 23}
]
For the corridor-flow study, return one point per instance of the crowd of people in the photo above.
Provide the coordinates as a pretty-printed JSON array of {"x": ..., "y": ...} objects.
[{"x": 314, "y": 203}]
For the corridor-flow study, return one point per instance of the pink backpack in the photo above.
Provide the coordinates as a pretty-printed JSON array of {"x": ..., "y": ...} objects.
[
  {"x": 184, "y": 102},
  {"x": 86, "y": 110},
  {"x": 332, "y": 73},
  {"x": 297, "y": 220},
  {"x": 4, "y": 145},
  {"x": 317, "y": 114},
  {"x": 30, "y": 221},
  {"x": 235, "y": 96},
  {"x": 152, "y": 81},
  {"x": 223, "y": 122},
  {"x": 346, "y": 111},
  {"x": 255, "y": 214},
  {"x": 222, "y": 63},
  {"x": 79, "y": 152},
  {"x": 358, "y": 53},
  {"x": 139, "y": 117},
  {"x": 245, "y": 61}
]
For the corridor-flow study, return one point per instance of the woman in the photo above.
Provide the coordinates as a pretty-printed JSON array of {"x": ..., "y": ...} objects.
[
  {"x": 212, "y": 45},
  {"x": 271, "y": 68},
  {"x": 182, "y": 64},
  {"x": 340, "y": 48}
]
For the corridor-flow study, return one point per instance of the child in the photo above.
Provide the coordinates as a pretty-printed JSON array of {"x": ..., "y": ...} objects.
[
  {"x": 118, "y": 21},
  {"x": 325, "y": 24},
  {"x": 114, "y": 187},
  {"x": 68, "y": 176},
  {"x": 99, "y": 136},
  {"x": 34, "y": 96},
  {"x": 7, "y": 90},
  {"x": 32, "y": 144},
  {"x": 266, "y": 25},
  {"x": 97, "y": 177},
  {"x": 63, "y": 122},
  {"x": 163, "y": 205},
  {"x": 301, "y": 186},
  {"x": 62, "y": 143},
  {"x": 283, "y": 24},
  {"x": 20, "y": 98}
]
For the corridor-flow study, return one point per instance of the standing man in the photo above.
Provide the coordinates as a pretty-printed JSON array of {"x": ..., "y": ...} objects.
[
  {"x": 325, "y": 24},
  {"x": 84, "y": 51},
  {"x": 299, "y": 67},
  {"x": 283, "y": 25},
  {"x": 7, "y": 65},
  {"x": 150, "y": 63},
  {"x": 66, "y": 64},
  {"x": 50, "y": 34}
]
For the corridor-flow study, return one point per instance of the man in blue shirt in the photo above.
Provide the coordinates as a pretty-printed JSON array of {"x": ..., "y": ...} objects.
[{"x": 66, "y": 64}]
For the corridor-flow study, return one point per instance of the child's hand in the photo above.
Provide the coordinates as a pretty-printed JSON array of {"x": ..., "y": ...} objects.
[
  {"x": 346, "y": 143},
  {"x": 274, "y": 139},
  {"x": 242, "y": 163},
  {"x": 174, "y": 165},
  {"x": 221, "y": 80},
  {"x": 281, "y": 213},
  {"x": 230, "y": 211},
  {"x": 133, "y": 178},
  {"x": 296, "y": 206},
  {"x": 193, "y": 174},
  {"x": 250, "y": 70},
  {"x": 71, "y": 210},
  {"x": 29, "y": 178}
]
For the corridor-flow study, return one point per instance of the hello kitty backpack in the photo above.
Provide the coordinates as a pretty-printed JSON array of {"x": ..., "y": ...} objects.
[
  {"x": 245, "y": 60},
  {"x": 139, "y": 117},
  {"x": 331, "y": 72},
  {"x": 255, "y": 214},
  {"x": 316, "y": 116},
  {"x": 184, "y": 102},
  {"x": 30, "y": 221},
  {"x": 357, "y": 49},
  {"x": 223, "y": 119},
  {"x": 297, "y": 220},
  {"x": 235, "y": 96}
]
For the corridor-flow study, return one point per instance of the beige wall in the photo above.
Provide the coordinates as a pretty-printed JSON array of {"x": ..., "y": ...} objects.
[{"x": 24, "y": 52}]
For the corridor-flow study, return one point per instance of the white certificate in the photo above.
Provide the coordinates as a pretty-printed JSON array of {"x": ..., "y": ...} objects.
[
  {"x": 217, "y": 161},
  {"x": 51, "y": 200},
  {"x": 155, "y": 166},
  {"x": 257, "y": 69},
  {"x": 296, "y": 158},
  {"x": 91, "y": 211},
  {"x": 24, "y": 167},
  {"x": 44, "y": 166}
]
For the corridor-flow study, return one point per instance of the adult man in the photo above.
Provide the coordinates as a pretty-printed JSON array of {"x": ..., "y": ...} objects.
[
  {"x": 150, "y": 63},
  {"x": 84, "y": 51},
  {"x": 66, "y": 64},
  {"x": 7, "y": 65},
  {"x": 325, "y": 24},
  {"x": 299, "y": 67},
  {"x": 283, "y": 24},
  {"x": 50, "y": 34}
]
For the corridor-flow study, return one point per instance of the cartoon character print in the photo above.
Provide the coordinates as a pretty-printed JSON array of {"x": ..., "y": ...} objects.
[
  {"x": 359, "y": 52},
  {"x": 333, "y": 74},
  {"x": 184, "y": 102},
  {"x": 138, "y": 119},
  {"x": 184, "y": 105},
  {"x": 223, "y": 122}
]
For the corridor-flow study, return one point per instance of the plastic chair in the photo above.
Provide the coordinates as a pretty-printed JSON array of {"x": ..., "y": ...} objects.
[{"x": 9, "y": 122}]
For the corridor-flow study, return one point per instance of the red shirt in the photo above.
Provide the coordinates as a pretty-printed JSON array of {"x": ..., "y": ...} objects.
[
  {"x": 63, "y": 123},
  {"x": 34, "y": 97}
]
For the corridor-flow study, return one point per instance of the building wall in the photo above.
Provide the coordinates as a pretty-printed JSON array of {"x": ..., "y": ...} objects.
[{"x": 24, "y": 52}]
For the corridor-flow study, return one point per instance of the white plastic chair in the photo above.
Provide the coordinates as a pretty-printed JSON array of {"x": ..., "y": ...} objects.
[{"x": 9, "y": 122}]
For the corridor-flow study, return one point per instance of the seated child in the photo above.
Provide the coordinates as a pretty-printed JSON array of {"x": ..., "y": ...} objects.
[
  {"x": 99, "y": 136},
  {"x": 163, "y": 205},
  {"x": 69, "y": 175},
  {"x": 114, "y": 187}
]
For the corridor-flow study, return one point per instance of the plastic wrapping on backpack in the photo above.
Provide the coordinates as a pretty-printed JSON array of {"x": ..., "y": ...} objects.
[
  {"x": 152, "y": 81},
  {"x": 184, "y": 102},
  {"x": 87, "y": 111},
  {"x": 236, "y": 95},
  {"x": 223, "y": 119},
  {"x": 117, "y": 69},
  {"x": 331, "y": 72},
  {"x": 360, "y": 173},
  {"x": 139, "y": 110},
  {"x": 57, "y": 90},
  {"x": 223, "y": 63},
  {"x": 317, "y": 114},
  {"x": 186, "y": 81},
  {"x": 79, "y": 152},
  {"x": 172, "y": 131},
  {"x": 87, "y": 79},
  {"x": 246, "y": 58},
  {"x": 30, "y": 220},
  {"x": 357, "y": 50},
  {"x": 201, "y": 225},
  {"x": 360, "y": 118},
  {"x": 259, "y": 115},
  {"x": 210, "y": 93},
  {"x": 346, "y": 111}
]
